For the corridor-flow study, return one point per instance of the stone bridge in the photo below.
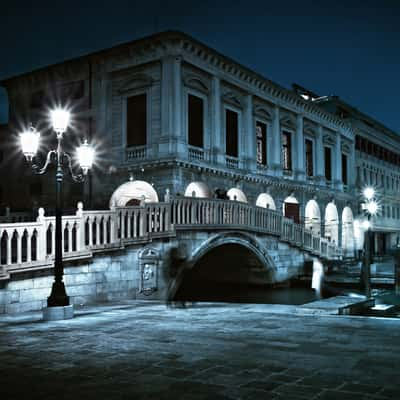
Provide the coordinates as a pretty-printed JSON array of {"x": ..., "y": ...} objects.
[{"x": 125, "y": 252}]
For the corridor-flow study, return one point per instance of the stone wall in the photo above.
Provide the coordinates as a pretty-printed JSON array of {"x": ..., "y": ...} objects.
[{"x": 102, "y": 278}]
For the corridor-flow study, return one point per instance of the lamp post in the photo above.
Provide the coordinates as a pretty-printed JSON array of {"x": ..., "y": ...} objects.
[
  {"x": 30, "y": 142},
  {"x": 370, "y": 207}
]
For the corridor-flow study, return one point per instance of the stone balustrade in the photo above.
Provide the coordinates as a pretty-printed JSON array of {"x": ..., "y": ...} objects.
[{"x": 31, "y": 245}]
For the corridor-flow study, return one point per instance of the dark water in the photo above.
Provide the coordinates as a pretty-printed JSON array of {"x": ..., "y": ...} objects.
[{"x": 260, "y": 294}]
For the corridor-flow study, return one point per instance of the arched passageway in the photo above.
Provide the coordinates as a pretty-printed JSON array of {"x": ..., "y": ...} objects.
[
  {"x": 348, "y": 240},
  {"x": 132, "y": 193},
  {"x": 198, "y": 189},
  {"x": 291, "y": 208},
  {"x": 236, "y": 195},
  {"x": 312, "y": 217},
  {"x": 265, "y": 200},
  {"x": 332, "y": 223},
  {"x": 228, "y": 272}
]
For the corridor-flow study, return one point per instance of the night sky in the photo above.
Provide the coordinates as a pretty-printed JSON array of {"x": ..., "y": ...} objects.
[{"x": 346, "y": 48}]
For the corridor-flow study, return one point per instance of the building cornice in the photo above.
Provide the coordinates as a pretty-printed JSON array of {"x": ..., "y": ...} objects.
[{"x": 174, "y": 42}]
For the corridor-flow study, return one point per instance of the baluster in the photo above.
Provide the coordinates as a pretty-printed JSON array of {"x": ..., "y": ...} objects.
[
  {"x": 29, "y": 247},
  {"x": 135, "y": 213},
  {"x": 128, "y": 228},
  {"x": 90, "y": 222},
  {"x": 97, "y": 227},
  {"x": 104, "y": 227},
  {"x": 19, "y": 247}
]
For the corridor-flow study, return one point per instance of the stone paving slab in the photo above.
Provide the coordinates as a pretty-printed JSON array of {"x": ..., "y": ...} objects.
[
  {"x": 331, "y": 305},
  {"x": 144, "y": 350}
]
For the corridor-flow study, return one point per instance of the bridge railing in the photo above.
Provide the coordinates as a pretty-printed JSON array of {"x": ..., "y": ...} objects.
[
  {"x": 31, "y": 245},
  {"x": 195, "y": 213}
]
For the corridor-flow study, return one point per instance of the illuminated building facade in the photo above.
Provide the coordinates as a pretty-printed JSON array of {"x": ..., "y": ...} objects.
[{"x": 189, "y": 121}]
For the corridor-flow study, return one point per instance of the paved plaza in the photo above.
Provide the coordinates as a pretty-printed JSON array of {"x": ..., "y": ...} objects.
[{"x": 143, "y": 350}]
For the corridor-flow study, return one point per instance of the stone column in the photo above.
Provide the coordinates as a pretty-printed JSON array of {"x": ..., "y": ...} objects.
[
  {"x": 249, "y": 136},
  {"x": 320, "y": 162},
  {"x": 337, "y": 172},
  {"x": 299, "y": 170},
  {"x": 276, "y": 150},
  {"x": 217, "y": 137}
]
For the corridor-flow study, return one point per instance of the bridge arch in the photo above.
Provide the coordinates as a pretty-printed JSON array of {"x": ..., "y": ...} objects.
[
  {"x": 265, "y": 200},
  {"x": 198, "y": 189},
  {"x": 223, "y": 267},
  {"x": 132, "y": 192}
]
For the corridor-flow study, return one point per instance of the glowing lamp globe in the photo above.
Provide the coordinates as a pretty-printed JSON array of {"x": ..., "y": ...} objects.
[
  {"x": 366, "y": 225},
  {"x": 369, "y": 193},
  {"x": 85, "y": 156},
  {"x": 29, "y": 142},
  {"x": 372, "y": 207},
  {"x": 60, "y": 120}
]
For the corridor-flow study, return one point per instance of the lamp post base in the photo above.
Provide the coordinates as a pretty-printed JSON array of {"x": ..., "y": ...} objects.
[
  {"x": 58, "y": 313},
  {"x": 58, "y": 296}
]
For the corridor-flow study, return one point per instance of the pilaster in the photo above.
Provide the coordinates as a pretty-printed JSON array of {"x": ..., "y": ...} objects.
[
  {"x": 299, "y": 170},
  {"x": 320, "y": 162},
  {"x": 337, "y": 177},
  {"x": 276, "y": 151},
  {"x": 216, "y": 134},
  {"x": 249, "y": 136}
]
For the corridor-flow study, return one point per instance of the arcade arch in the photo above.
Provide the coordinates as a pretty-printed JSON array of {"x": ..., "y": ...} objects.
[
  {"x": 312, "y": 217},
  {"x": 291, "y": 208},
  {"x": 198, "y": 189},
  {"x": 265, "y": 200},
  {"x": 348, "y": 240},
  {"x": 132, "y": 193},
  {"x": 236, "y": 195},
  {"x": 332, "y": 223}
]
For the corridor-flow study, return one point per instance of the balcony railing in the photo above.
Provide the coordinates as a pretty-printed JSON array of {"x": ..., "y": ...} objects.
[
  {"x": 232, "y": 162},
  {"x": 136, "y": 153},
  {"x": 196, "y": 153}
]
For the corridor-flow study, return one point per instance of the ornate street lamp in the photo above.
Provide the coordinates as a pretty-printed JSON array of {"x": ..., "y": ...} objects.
[
  {"x": 30, "y": 142},
  {"x": 370, "y": 207}
]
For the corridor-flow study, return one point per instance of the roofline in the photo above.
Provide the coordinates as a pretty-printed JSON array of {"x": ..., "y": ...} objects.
[
  {"x": 275, "y": 89},
  {"x": 159, "y": 35},
  {"x": 376, "y": 123}
]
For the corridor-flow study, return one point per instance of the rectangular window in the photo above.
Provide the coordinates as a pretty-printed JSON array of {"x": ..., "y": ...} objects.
[
  {"x": 261, "y": 137},
  {"x": 231, "y": 126},
  {"x": 344, "y": 169},
  {"x": 309, "y": 158},
  {"x": 136, "y": 120},
  {"x": 286, "y": 151},
  {"x": 328, "y": 164},
  {"x": 195, "y": 117}
]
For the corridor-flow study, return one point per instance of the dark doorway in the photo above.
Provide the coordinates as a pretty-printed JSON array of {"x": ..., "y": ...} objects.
[{"x": 292, "y": 210}]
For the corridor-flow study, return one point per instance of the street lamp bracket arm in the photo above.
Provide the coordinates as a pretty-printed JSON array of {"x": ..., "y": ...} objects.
[
  {"x": 49, "y": 160},
  {"x": 77, "y": 178}
]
